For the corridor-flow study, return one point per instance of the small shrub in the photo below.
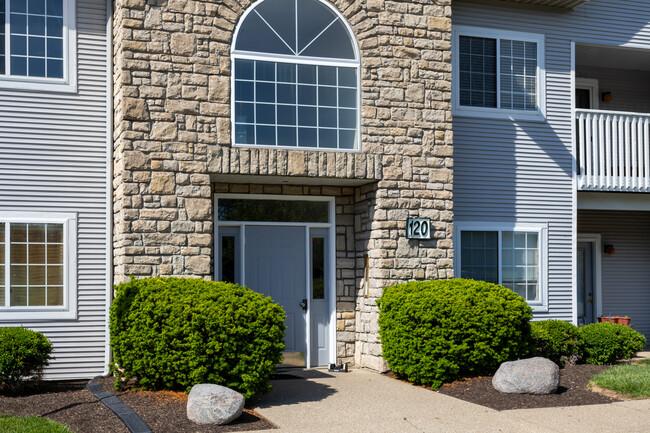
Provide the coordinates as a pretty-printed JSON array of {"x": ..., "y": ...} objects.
[
  {"x": 606, "y": 343},
  {"x": 23, "y": 355},
  {"x": 172, "y": 333},
  {"x": 556, "y": 340},
  {"x": 437, "y": 331}
]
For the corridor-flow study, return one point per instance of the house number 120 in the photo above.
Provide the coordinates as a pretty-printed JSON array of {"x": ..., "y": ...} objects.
[{"x": 418, "y": 228}]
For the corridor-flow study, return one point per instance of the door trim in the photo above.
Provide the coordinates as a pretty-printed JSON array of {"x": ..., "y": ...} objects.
[
  {"x": 597, "y": 258},
  {"x": 590, "y": 84},
  {"x": 330, "y": 225}
]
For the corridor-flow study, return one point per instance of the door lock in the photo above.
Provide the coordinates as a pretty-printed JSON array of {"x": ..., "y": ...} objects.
[{"x": 303, "y": 304}]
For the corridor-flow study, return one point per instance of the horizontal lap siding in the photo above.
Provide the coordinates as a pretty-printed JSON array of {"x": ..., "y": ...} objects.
[
  {"x": 522, "y": 171},
  {"x": 53, "y": 156},
  {"x": 626, "y": 273}
]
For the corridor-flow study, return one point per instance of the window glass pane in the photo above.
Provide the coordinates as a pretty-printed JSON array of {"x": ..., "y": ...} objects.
[
  {"x": 318, "y": 268},
  {"x": 348, "y": 98},
  {"x": 327, "y": 138},
  {"x": 286, "y": 114},
  {"x": 327, "y": 75},
  {"x": 327, "y": 117},
  {"x": 244, "y": 91},
  {"x": 307, "y": 95},
  {"x": 477, "y": 71},
  {"x": 272, "y": 210},
  {"x": 265, "y": 92},
  {"x": 347, "y": 77},
  {"x": 36, "y": 253},
  {"x": 244, "y": 113},
  {"x": 18, "y": 24},
  {"x": 18, "y": 296},
  {"x": 265, "y": 135},
  {"x": 518, "y": 75},
  {"x": 265, "y": 71},
  {"x": 287, "y": 136},
  {"x": 327, "y": 96},
  {"x": 228, "y": 259},
  {"x": 18, "y": 6},
  {"x": 307, "y": 137},
  {"x": 55, "y": 7},
  {"x": 307, "y": 116},
  {"x": 244, "y": 69},
  {"x": 245, "y": 134},
  {"x": 347, "y": 118},
  {"x": 520, "y": 268},
  {"x": 286, "y": 73},
  {"x": 281, "y": 16},
  {"x": 2, "y": 69},
  {"x": 312, "y": 19},
  {"x": 255, "y": 35},
  {"x": 265, "y": 113},
  {"x": 55, "y": 295},
  {"x": 307, "y": 74},
  {"x": 347, "y": 139},
  {"x": 479, "y": 255},
  {"x": 287, "y": 93}
]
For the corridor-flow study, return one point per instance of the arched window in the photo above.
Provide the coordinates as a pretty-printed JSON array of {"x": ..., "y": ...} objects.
[{"x": 295, "y": 77}]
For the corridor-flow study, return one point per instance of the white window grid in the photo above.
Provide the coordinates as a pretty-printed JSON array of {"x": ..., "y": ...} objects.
[
  {"x": 29, "y": 268},
  {"x": 316, "y": 127},
  {"x": 518, "y": 79},
  {"x": 49, "y": 34},
  {"x": 520, "y": 263}
]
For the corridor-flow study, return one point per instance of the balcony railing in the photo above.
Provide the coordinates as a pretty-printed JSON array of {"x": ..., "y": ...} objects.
[{"x": 613, "y": 152}]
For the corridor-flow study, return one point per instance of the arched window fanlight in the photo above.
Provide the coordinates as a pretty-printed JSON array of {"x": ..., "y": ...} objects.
[{"x": 296, "y": 77}]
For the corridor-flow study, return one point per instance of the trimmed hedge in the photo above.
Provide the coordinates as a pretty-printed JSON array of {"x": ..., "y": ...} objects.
[
  {"x": 173, "y": 333},
  {"x": 23, "y": 355},
  {"x": 438, "y": 331},
  {"x": 556, "y": 340},
  {"x": 606, "y": 343}
]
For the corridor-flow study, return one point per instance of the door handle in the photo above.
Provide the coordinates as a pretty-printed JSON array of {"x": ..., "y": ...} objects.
[{"x": 303, "y": 304}]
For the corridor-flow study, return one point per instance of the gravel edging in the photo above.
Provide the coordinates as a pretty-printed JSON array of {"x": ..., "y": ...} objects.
[{"x": 131, "y": 420}]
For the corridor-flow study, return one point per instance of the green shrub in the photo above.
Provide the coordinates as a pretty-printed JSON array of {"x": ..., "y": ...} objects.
[
  {"x": 172, "y": 333},
  {"x": 437, "y": 331},
  {"x": 556, "y": 340},
  {"x": 23, "y": 355},
  {"x": 606, "y": 343}
]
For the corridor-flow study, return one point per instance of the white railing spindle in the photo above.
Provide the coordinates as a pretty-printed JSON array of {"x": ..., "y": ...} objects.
[{"x": 613, "y": 151}]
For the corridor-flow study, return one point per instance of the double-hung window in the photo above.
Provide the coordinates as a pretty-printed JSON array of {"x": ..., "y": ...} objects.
[
  {"x": 37, "y": 266},
  {"x": 510, "y": 255},
  {"x": 37, "y": 44},
  {"x": 498, "y": 73}
]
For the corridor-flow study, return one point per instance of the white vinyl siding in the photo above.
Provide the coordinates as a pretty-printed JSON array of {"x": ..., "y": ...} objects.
[
  {"x": 53, "y": 159},
  {"x": 520, "y": 171}
]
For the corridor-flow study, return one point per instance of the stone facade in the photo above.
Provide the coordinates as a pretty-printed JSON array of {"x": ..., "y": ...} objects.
[{"x": 173, "y": 149}]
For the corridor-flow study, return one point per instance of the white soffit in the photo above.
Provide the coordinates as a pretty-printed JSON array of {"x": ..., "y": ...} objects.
[{"x": 563, "y": 4}]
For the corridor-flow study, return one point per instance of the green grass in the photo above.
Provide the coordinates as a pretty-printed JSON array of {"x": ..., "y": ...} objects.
[
  {"x": 630, "y": 379},
  {"x": 645, "y": 361},
  {"x": 30, "y": 424}
]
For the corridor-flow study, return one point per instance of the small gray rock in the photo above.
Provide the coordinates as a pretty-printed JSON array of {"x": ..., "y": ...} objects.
[
  {"x": 213, "y": 404},
  {"x": 527, "y": 376}
]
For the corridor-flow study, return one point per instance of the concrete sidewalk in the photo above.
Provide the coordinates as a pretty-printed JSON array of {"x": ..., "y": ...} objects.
[{"x": 363, "y": 401}]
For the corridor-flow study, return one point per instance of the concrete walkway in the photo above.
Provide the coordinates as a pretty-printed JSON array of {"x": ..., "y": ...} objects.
[{"x": 363, "y": 401}]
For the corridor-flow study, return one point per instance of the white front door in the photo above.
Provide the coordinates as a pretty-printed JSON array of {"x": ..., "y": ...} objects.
[{"x": 287, "y": 259}]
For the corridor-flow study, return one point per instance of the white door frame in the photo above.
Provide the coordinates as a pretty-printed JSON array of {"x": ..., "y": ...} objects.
[
  {"x": 590, "y": 84},
  {"x": 597, "y": 258},
  {"x": 330, "y": 225}
]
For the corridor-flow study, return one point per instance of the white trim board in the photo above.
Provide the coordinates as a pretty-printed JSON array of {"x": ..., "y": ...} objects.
[
  {"x": 595, "y": 240},
  {"x": 614, "y": 201}
]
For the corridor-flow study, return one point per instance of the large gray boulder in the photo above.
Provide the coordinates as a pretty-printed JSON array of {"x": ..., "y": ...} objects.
[
  {"x": 213, "y": 404},
  {"x": 527, "y": 376}
]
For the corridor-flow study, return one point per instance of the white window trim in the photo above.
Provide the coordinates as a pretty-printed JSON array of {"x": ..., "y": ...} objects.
[
  {"x": 541, "y": 228},
  {"x": 67, "y": 84},
  {"x": 69, "y": 308},
  {"x": 283, "y": 58},
  {"x": 498, "y": 113}
]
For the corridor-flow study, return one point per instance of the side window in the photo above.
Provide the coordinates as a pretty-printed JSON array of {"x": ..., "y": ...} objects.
[
  {"x": 37, "y": 44},
  {"x": 37, "y": 265},
  {"x": 498, "y": 71},
  {"x": 296, "y": 78},
  {"x": 512, "y": 258}
]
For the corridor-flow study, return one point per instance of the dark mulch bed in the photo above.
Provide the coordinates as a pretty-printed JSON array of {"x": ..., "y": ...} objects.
[
  {"x": 572, "y": 391},
  {"x": 165, "y": 412},
  {"x": 68, "y": 402}
]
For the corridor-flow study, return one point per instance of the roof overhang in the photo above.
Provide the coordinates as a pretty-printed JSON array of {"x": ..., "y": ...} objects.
[{"x": 560, "y": 4}]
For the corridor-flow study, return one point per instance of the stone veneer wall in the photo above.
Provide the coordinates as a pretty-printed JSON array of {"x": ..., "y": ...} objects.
[{"x": 172, "y": 137}]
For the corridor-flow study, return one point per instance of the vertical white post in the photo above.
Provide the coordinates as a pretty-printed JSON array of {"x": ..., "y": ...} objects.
[
  {"x": 628, "y": 151},
  {"x": 601, "y": 152},
  {"x": 589, "y": 156},
  {"x": 582, "y": 149},
  {"x": 621, "y": 152},
  {"x": 608, "y": 150},
  {"x": 646, "y": 153}
]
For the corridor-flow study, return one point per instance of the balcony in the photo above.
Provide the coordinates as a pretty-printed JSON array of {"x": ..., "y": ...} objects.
[{"x": 613, "y": 151}]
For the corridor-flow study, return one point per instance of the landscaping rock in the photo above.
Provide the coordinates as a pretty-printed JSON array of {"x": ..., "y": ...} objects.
[
  {"x": 213, "y": 404},
  {"x": 527, "y": 376}
]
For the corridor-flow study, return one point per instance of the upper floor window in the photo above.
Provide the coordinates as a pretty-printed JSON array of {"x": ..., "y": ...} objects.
[
  {"x": 498, "y": 73},
  {"x": 295, "y": 77},
  {"x": 35, "y": 38}
]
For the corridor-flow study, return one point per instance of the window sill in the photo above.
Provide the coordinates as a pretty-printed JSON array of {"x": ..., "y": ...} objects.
[
  {"x": 539, "y": 308},
  {"x": 35, "y": 314},
  {"x": 498, "y": 114},
  {"x": 40, "y": 84},
  {"x": 320, "y": 149}
]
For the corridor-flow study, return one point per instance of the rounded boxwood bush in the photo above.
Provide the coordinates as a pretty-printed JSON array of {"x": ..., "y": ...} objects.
[
  {"x": 173, "y": 333},
  {"x": 438, "y": 331},
  {"x": 606, "y": 343},
  {"x": 23, "y": 355},
  {"x": 556, "y": 340}
]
